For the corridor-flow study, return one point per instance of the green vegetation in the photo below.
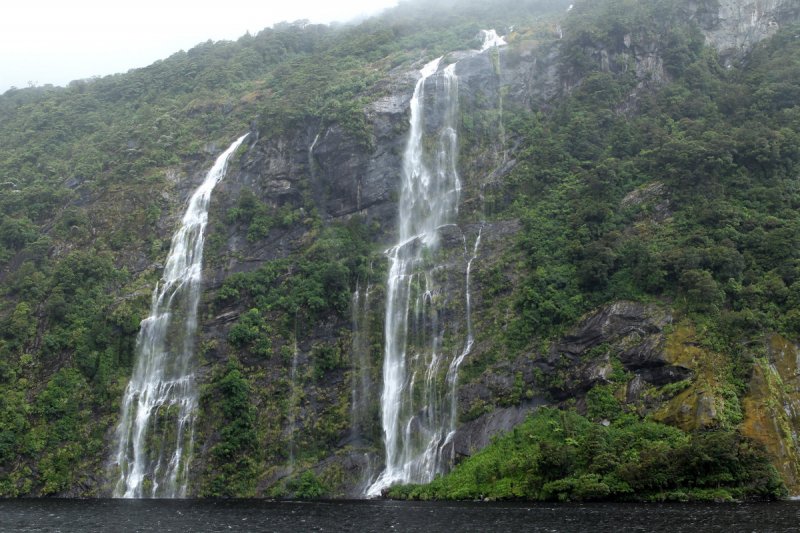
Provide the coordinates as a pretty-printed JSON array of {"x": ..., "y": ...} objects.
[
  {"x": 308, "y": 286},
  {"x": 258, "y": 217},
  {"x": 84, "y": 325},
  {"x": 307, "y": 486},
  {"x": 608, "y": 182},
  {"x": 560, "y": 455},
  {"x": 235, "y": 463}
]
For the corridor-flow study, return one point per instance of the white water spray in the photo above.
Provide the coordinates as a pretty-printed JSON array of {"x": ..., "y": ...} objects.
[
  {"x": 418, "y": 411},
  {"x": 156, "y": 430},
  {"x": 413, "y": 429},
  {"x": 491, "y": 39},
  {"x": 294, "y": 400},
  {"x": 452, "y": 372},
  {"x": 361, "y": 383}
]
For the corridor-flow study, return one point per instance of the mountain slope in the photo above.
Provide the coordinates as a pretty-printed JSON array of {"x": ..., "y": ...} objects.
[{"x": 630, "y": 170}]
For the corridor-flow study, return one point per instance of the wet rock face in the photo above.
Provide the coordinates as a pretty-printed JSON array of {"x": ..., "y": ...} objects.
[
  {"x": 351, "y": 175},
  {"x": 480, "y": 80},
  {"x": 477, "y": 434},
  {"x": 772, "y": 407},
  {"x": 627, "y": 321},
  {"x": 630, "y": 331},
  {"x": 733, "y": 27},
  {"x": 531, "y": 74},
  {"x": 343, "y": 174}
]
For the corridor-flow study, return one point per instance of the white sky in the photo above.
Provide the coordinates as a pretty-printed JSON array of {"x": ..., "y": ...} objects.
[{"x": 57, "y": 41}]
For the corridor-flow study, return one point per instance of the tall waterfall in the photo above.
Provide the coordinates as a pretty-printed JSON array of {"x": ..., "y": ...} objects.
[
  {"x": 156, "y": 431},
  {"x": 420, "y": 371},
  {"x": 415, "y": 422}
]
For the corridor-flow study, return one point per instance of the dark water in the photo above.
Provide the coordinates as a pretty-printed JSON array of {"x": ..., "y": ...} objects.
[{"x": 193, "y": 515}]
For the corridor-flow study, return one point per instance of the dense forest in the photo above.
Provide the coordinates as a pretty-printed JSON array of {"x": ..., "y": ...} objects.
[{"x": 632, "y": 176}]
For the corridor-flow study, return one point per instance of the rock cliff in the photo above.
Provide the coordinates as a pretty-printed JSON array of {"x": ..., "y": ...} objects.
[
  {"x": 733, "y": 27},
  {"x": 632, "y": 349}
]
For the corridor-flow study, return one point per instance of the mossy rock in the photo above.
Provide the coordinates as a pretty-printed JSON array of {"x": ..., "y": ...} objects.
[{"x": 772, "y": 408}]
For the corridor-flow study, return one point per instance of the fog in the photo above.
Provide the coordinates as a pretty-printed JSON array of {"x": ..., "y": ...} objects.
[{"x": 55, "y": 42}]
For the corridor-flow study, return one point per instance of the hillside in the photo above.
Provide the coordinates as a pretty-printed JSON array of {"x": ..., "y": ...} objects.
[{"x": 620, "y": 243}]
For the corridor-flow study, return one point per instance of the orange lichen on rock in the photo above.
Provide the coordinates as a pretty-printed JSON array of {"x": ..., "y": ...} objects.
[{"x": 772, "y": 406}]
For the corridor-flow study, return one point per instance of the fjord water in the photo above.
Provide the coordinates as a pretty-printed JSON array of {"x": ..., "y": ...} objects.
[
  {"x": 156, "y": 430},
  {"x": 121, "y": 516},
  {"x": 418, "y": 411}
]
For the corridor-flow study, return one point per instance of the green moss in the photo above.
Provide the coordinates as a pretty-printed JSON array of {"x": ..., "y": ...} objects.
[
  {"x": 235, "y": 458},
  {"x": 768, "y": 407}
]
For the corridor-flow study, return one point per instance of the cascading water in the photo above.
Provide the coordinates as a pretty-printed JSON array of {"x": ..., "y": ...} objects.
[
  {"x": 361, "y": 383},
  {"x": 428, "y": 200},
  {"x": 418, "y": 410},
  {"x": 491, "y": 40},
  {"x": 452, "y": 372},
  {"x": 156, "y": 430},
  {"x": 294, "y": 401}
]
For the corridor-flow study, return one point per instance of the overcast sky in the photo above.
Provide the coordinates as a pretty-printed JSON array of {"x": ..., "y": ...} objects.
[{"x": 57, "y": 41}]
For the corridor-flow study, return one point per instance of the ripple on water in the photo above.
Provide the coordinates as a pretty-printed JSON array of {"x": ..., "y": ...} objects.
[{"x": 121, "y": 516}]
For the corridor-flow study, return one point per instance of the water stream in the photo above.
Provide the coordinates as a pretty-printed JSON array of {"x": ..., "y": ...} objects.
[
  {"x": 294, "y": 401},
  {"x": 419, "y": 403},
  {"x": 156, "y": 430},
  {"x": 361, "y": 383}
]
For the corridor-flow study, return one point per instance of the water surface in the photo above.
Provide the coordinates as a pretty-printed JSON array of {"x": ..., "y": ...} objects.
[{"x": 119, "y": 516}]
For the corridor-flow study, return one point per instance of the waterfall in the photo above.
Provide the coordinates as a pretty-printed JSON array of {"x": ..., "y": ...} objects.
[
  {"x": 294, "y": 400},
  {"x": 491, "y": 40},
  {"x": 361, "y": 383},
  {"x": 413, "y": 422},
  {"x": 418, "y": 407},
  {"x": 452, "y": 372},
  {"x": 156, "y": 430}
]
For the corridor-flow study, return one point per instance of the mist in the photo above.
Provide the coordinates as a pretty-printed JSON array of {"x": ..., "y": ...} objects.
[{"x": 53, "y": 42}]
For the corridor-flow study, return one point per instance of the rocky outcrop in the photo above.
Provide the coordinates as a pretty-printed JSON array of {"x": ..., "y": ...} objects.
[
  {"x": 530, "y": 74},
  {"x": 630, "y": 335},
  {"x": 477, "y": 434},
  {"x": 733, "y": 27},
  {"x": 630, "y": 332},
  {"x": 772, "y": 408}
]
